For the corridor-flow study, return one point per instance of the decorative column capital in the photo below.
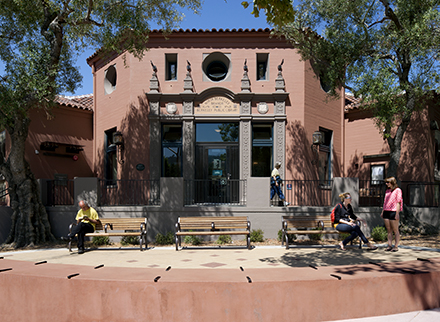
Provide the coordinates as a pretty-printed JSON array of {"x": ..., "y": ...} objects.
[
  {"x": 279, "y": 81},
  {"x": 154, "y": 82},
  {"x": 188, "y": 85},
  {"x": 245, "y": 81}
]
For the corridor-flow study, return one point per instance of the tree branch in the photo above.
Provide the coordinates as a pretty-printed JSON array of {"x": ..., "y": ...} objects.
[{"x": 390, "y": 13}]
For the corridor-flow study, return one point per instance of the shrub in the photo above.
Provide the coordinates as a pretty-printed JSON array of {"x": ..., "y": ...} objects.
[
  {"x": 100, "y": 240},
  {"x": 130, "y": 240},
  {"x": 193, "y": 240},
  {"x": 291, "y": 237},
  {"x": 167, "y": 239},
  {"x": 257, "y": 236},
  {"x": 315, "y": 237},
  {"x": 379, "y": 233},
  {"x": 224, "y": 239}
]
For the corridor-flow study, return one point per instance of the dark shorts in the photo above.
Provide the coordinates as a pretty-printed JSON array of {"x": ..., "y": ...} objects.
[{"x": 391, "y": 215}]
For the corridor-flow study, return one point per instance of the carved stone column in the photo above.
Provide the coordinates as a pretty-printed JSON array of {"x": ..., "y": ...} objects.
[
  {"x": 188, "y": 148},
  {"x": 279, "y": 132},
  {"x": 155, "y": 139},
  {"x": 188, "y": 133},
  {"x": 245, "y": 148},
  {"x": 245, "y": 133}
]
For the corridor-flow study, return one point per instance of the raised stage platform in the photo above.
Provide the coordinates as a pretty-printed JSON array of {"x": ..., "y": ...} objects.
[{"x": 227, "y": 284}]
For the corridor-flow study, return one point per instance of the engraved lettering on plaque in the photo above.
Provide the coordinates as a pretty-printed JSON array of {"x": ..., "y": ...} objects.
[{"x": 217, "y": 105}]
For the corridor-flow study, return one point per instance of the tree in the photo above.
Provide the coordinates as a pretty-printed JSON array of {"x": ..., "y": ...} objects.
[
  {"x": 385, "y": 52},
  {"x": 38, "y": 41}
]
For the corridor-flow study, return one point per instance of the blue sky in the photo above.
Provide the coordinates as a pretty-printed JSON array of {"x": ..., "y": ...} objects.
[{"x": 214, "y": 14}]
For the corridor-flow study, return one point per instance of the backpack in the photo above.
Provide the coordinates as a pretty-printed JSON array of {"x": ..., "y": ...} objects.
[{"x": 332, "y": 215}]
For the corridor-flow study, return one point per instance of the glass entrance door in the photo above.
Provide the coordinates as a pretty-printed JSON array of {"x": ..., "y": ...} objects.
[
  {"x": 217, "y": 163},
  {"x": 217, "y": 174}
]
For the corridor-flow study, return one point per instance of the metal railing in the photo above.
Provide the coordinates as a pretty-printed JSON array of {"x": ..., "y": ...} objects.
[
  {"x": 60, "y": 192},
  {"x": 415, "y": 194},
  {"x": 215, "y": 192},
  {"x": 371, "y": 193},
  {"x": 421, "y": 194},
  {"x": 233, "y": 192},
  {"x": 308, "y": 192},
  {"x": 3, "y": 194},
  {"x": 128, "y": 192}
]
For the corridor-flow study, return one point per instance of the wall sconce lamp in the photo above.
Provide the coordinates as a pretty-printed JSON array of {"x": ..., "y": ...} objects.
[
  {"x": 118, "y": 140},
  {"x": 317, "y": 139}
]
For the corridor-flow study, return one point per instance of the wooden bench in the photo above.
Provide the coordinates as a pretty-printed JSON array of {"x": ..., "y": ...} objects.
[
  {"x": 204, "y": 226},
  {"x": 119, "y": 227},
  {"x": 303, "y": 224}
]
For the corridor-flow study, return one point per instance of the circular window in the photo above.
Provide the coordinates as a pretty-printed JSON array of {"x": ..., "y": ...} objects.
[
  {"x": 110, "y": 80},
  {"x": 216, "y": 66},
  {"x": 216, "y": 71}
]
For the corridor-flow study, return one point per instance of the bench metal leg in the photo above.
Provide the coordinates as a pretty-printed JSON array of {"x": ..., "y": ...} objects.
[
  {"x": 287, "y": 241},
  {"x": 141, "y": 240},
  {"x": 177, "y": 242},
  {"x": 248, "y": 242},
  {"x": 145, "y": 241}
]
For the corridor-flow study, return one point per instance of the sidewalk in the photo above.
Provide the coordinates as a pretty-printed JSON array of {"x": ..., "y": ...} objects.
[{"x": 223, "y": 257}]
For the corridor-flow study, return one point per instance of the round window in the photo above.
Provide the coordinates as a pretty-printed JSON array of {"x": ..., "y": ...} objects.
[
  {"x": 216, "y": 66},
  {"x": 216, "y": 71},
  {"x": 110, "y": 80}
]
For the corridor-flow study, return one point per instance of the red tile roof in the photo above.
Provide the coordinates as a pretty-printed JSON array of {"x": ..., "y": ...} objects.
[
  {"x": 200, "y": 31},
  {"x": 84, "y": 102},
  {"x": 351, "y": 102}
]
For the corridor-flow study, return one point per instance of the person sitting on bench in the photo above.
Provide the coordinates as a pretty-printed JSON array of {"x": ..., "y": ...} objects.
[
  {"x": 345, "y": 221},
  {"x": 86, "y": 219}
]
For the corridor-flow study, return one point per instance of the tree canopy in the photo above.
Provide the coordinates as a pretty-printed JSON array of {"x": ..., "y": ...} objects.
[
  {"x": 386, "y": 52},
  {"x": 39, "y": 41}
]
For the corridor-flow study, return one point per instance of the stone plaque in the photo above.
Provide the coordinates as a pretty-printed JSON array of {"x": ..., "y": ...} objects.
[
  {"x": 217, "y": 105},
  {"x": 171, "y": 108},
  {"x": 263, "y": 108}
]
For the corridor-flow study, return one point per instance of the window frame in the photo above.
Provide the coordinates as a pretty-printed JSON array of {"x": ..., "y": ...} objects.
[
  {"x": 261, "y": 143},
  {"x": 178, "y": 144}
]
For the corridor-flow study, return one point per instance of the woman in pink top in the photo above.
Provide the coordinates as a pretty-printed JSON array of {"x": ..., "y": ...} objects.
[{"x": 392, "y": 207}]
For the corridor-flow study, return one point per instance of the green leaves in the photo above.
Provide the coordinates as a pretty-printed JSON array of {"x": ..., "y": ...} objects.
[
  {"x": 278, "y": 12},
  {"x": 38, "y": 40}
]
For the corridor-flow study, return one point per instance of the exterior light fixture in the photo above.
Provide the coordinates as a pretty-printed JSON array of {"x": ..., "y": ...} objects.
[
  {"x": 317, "y": 137},
  {"x": 118, "y": 140}
]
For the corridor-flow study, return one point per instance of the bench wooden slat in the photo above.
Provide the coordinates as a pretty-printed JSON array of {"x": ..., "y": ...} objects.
[
  {"x": 205, "y": 226},
  {"x": 301, "y": 225},
  {"x": 121, "y": 227},
  {"x": 206, "y": 233}
]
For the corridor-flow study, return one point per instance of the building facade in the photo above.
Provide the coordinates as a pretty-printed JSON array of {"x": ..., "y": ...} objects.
[{"x": 214, "y": 107}]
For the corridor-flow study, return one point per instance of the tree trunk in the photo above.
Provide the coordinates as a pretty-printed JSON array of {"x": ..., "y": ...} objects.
[
  {"x": 395, "y": 143},
  {"x": 30, "y": 223}
]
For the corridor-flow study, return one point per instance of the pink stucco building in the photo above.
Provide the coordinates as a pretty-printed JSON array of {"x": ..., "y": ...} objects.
[{"x": 169, "y": 106}]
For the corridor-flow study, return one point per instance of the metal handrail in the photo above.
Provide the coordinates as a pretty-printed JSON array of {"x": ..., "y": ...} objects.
[
  {"x": 3, "y": 194},
  {"x": 60, "y": 192},
  {"x": 308, "y": 192},
  {"x": 215, "y": 192},
  {"x": 129, "y": 192}
]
